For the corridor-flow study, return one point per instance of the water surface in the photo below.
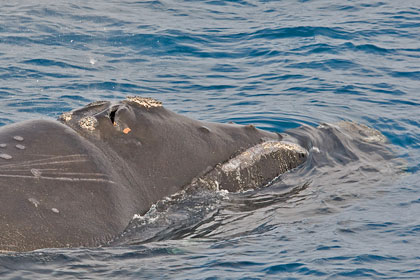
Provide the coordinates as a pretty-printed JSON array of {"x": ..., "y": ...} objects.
[{"x": 276, "y": 64}]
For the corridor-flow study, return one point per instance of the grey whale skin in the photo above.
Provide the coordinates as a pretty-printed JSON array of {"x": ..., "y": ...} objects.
[{"x": 79, "y": 181}]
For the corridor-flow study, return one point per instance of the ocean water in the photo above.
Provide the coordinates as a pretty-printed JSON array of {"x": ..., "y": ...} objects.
[{"x": 352, "y": 212}]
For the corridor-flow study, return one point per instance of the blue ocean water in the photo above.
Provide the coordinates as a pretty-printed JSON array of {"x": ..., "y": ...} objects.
[{"x": 276, "y": 64}]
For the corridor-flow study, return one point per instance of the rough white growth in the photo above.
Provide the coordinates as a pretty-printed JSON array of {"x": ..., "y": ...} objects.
[
  {"x": 138, "y": 217},
  {"x": 89, "y": 123},
  {"x": 146, "y": 102},
  {"x": 254, "y": 154},
  {"x": 66, "y": 116}
]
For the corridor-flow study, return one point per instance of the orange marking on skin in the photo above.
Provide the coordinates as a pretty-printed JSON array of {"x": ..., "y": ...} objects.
[{"x": 127, "y": 130}]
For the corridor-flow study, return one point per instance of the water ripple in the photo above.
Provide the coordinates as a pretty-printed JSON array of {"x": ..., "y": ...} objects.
[{"x": 276, "y": 64}]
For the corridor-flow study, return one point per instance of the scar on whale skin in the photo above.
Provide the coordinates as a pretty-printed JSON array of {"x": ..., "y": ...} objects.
[
  {"x": 36, "y": 172},
  {"x": 204, "y": 128},
  {"x": 34, "y": 202},
  {"x": 5, "y": 156},
  {"x": 18, "y": 138}
]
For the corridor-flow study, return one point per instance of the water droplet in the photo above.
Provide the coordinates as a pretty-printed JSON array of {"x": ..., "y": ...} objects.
[
  {"x": 20, "y": 147},
  {"x": 5, "y": 156},
  {"x": 3, "y": 145},
  {"x": 18, "y": 138},
  {"x": 55, "y": 210}
]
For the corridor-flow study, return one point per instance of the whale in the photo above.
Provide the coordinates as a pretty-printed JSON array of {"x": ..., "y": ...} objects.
[{"x": 78, "y": 181}]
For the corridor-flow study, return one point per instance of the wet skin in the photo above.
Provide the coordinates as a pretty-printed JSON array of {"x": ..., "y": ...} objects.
[{"x": 79, "y": 181}]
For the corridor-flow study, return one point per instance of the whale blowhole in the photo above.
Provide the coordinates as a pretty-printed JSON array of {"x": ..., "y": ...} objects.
[{"x": 112, "y": 116}]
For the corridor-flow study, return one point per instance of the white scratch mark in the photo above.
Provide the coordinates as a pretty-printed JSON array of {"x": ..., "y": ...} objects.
[
  {"x": 59, "y": 178},
  {"x": 36, "y": 172},
  {"x": 49, "y": 161}
]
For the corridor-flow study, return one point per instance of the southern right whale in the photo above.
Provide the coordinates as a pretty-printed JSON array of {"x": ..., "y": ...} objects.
[{"x": 79, "y": 181}]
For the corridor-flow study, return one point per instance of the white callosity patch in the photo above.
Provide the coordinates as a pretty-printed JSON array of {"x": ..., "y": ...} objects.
[
  {"x": 146, "y": 102},
  {"x": 55, "y": 210},
  {"x": 96, "y": 103},
  {"x": 67, "y": 116},
  {"x": 20, "y": 147},
  {"x": 89, "y": 123},
  {"x": 254, "y": 154},
  {"x": 3, "y": 145},
  {"x": 253, "y": 168}
]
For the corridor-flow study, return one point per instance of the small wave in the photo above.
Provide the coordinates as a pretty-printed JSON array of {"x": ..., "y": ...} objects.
[
  {"x": 412, "y": 75},
  {"x": 327, "y": 65},
  {"x": 50, "y": 63},
  {"x": 300, "y": 31}
]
